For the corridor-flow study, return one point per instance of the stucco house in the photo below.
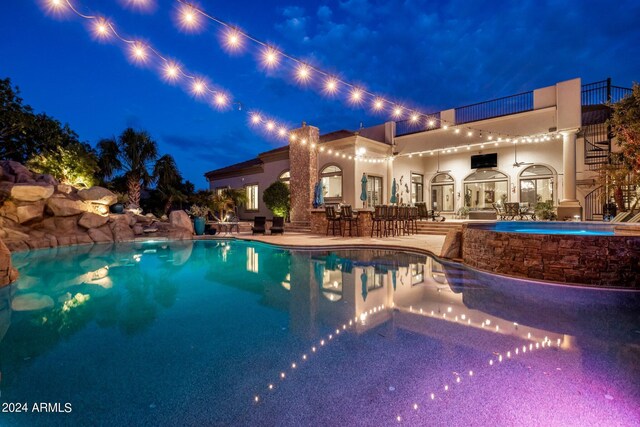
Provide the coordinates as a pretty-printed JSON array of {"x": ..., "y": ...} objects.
[{"x": 541, "y": 145}]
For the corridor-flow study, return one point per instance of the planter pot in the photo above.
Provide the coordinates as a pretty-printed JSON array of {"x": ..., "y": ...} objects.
[
  {"x": 118, "y": 208},
  {"x": 198, "y": 225}
]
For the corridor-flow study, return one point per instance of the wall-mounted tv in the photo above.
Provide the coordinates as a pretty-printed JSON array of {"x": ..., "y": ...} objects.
[{"x": 481, "y": 161}]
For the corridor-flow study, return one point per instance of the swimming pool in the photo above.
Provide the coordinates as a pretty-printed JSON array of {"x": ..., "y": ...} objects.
[
  {"x": 555, "y": 228},
  {"x": 239, "y": 333}
]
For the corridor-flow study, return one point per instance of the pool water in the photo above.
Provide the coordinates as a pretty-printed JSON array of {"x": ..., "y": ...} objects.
[
  {"x": 561, "y": 231},
  {"x": 240, "y": 333}
]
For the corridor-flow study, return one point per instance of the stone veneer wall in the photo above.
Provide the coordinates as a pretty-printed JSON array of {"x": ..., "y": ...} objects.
[
  {"x": 611, "y": 261},
  {"x": 303, "y": 163}
]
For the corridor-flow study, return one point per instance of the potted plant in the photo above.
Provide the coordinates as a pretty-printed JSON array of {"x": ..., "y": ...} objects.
[
  {"x": 122, "y": 200},
  {"x": 546, "y": 211},
  {"x": 199, "y": 214}
]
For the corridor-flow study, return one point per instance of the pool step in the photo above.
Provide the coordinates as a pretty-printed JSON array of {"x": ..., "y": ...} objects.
[{"x": 298, "y": 227}]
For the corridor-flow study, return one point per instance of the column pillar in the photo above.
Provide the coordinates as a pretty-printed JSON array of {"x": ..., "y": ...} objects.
[
  {"x": 389, "y": 181},
  {"x": 303, "y": 165},
  {"x": 569, "y": 206}
]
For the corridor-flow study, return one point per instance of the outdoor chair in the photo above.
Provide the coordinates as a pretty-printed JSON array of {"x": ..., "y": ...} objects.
[
  {"x": 277, "y": 225},
  {"x": 434, "y": 215},
  {"x": 527, "y": 211},
  {"x": 259, "y": 225},
  {"x": 635, "y": 218},
  {"x": 511, "y": 210},
  {"x": 349, "y": 219},
  {"x": 377, "y": 220},
  {"x": 500, "y": 214},
  {"x": 621, "y": 217},
  {"x": 422, "y": 210},
  {"x": 333, "y": 219}
]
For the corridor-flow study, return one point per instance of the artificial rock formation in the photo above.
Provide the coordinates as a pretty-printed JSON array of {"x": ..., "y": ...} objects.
[{"x": 38, "y": 212}]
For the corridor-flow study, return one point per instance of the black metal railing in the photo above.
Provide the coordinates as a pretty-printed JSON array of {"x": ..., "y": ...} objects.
[
  {"x": 597, "y": 145},
  {"x": 495, "y": 108},
  {"x": 603, "y": 92},
  {"x": 424, "y": 123},
  {"x": 593, "y": 204}
]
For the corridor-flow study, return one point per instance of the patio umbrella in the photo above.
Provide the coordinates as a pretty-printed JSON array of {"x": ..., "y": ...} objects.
[
  {"x": 393, "y": 198},
  {"x": 316, "y": 194},
  {"x": 320, "y": 194},
  {"x": 393, "y": 279},
  {"x": 363, "y": 279},
  {"x": 363, "y": 194}
]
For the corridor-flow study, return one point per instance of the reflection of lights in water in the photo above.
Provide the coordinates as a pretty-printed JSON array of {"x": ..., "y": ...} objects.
[
  {"x": 323, "y": 343},
  {"x": 287, "y": 282},
  {"x": 137, "y": 257}
]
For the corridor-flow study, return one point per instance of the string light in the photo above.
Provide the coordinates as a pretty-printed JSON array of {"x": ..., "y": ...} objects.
[
  {"x": 233, "y": 41},
  {"x": 270, "y": 57},
  {"x": 189, "y": 19}
]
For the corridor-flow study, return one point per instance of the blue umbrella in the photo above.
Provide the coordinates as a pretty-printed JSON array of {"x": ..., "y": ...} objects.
[
  {"x": 363, "y": 279},
  {"x": 393, "y": 198},
  {"x": 318, "y": 270},
  {"x": 316, "y": 194},
  {"x": 320, "y": 194},
  {"x": 363, "y": 194},
  {"x": 393, "y": 277}
]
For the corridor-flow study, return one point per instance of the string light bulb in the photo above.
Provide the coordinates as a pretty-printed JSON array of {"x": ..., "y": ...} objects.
[
  {"x": 303, "y": 73},
  {"x": 220, "y": 100},
  {"x": 397, "y": 112},
  {"x": 171, "y": 71},
  {"x": 101, "y": 29},
  {"x": 378, "y": 104},
  {"x": 198, "y": 87},
  {"x": 189, "y": 18},
  {"x": 233, "y": 40},
  {"x": 139, "y": 52},
  {"x": 356, "y": 95},
  {"x": 270, "y": 57},
  {"x": 331, "y": 86},
  {"x": 255, "y": 119}
]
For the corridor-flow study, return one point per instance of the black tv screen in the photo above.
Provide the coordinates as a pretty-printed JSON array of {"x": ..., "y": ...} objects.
[{"x": 481, "y": 161}]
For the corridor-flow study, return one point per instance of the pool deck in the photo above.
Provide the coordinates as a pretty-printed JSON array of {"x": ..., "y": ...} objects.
[{"x": 422, "y": 243}]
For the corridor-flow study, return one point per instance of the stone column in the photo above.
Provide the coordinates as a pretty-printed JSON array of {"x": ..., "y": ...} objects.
[
  {"x": 387, "y": 190},
  {"x": 569, "y": 205},
  {"x": 303, "y": 163}
]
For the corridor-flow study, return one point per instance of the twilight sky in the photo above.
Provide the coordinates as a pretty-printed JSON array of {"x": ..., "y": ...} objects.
[{"x": 425, "y": 54}]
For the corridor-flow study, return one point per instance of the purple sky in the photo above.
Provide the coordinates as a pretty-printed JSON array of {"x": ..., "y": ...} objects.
[{"x": 424, "y": 54}]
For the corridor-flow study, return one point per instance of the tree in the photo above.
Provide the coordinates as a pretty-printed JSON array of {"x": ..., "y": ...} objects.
[
  {"x": 625, "y": 127},
  {"x": 168, "y": 180},
  {"x": 75, "y": 164},
  {"x": 276, "y": 197},
  {"x": 132, "y": 152},
  {"x": 24, "y": 134}
]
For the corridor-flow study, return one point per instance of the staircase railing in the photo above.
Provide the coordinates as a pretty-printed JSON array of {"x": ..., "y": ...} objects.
[{"x": 593, "y": 204}]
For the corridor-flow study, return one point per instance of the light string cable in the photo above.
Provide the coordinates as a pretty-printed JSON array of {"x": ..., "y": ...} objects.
[
  {"x": 172, "y": 72},
  {"x": 357, "y": 95}
]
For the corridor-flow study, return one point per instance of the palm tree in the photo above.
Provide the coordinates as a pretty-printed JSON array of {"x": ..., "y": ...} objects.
[
  {"x": 168, "y": 180},
  {"x": 132, "y": 153}
]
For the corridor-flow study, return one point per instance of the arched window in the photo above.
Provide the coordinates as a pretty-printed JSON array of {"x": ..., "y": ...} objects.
[
  {"x": 484, "y": 187},
  {"x": 285, "y": 177},
  {"x": 331, "y": 177},
  {"x": 442, "y": 191},
  {"x": 536, "y": 184}
]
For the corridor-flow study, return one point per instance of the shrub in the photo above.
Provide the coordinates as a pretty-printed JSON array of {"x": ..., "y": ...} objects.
[{"x": 276, "y": 197}]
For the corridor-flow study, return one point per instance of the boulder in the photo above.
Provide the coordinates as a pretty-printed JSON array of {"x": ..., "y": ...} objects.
[
  {"x": 30, "y": 212},
  {"x": 47, "y": 179},
  {"x": 65, "y": 189},
  {"x": 61, "y": 206},
  {"x": 180, "y": 219},
  {"x": 7, "y": 273},
  {"x": 90, "y": 220},
  {"x": 9, "y": 210},
  {"x": 98, "y": 195},
  {"x": 120, "y": 228},
  {"x": 31, "y": 192},
  {"x": 138, "y": 230},
  {"x": 31, "y": 302},
  {"x": 15, "y": 172},
  {"x": 61, "y": 225}
]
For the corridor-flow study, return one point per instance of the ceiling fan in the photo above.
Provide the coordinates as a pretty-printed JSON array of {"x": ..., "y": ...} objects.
[
  {"x": 438, "y": 170},
  {"x": 516, "y": 163}
]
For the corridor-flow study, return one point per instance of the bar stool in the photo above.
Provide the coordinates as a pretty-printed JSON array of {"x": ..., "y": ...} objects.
[
  {"x": 377, "y": 221},
  {"x": 391, "y": 220},
  {"x": 332, "y": 219},
  {"x": 349, "y": 218}
]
